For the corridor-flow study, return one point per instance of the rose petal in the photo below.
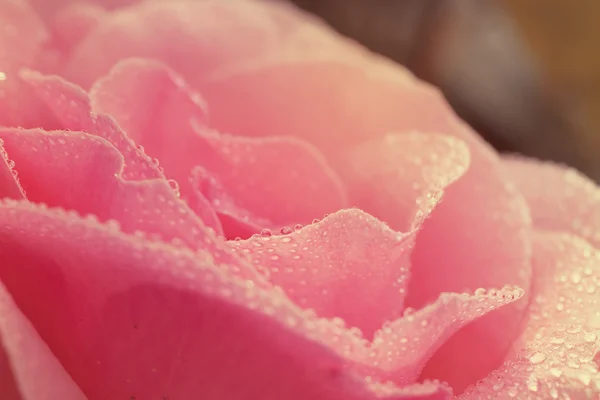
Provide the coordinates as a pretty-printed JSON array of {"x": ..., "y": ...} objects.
[
  {"x": 353, "y": 268},
  {"x": 554, "y": 358},
  {"x": 559, "y": 198},
  {"x": 476, "y": 237},
  {"x": 400, "y": 178},
  {"x": 219, "y": 32},
  {"x": 78, "y": 171},
  {"x": 349, "y": 265},
  {"x": 28, "y": 369},
  {"x": 72, "y": 106},
  {"x": 267, "y": 194},
  {"x": 173, "y": 324},
  {"x": 401, "y": 348}
]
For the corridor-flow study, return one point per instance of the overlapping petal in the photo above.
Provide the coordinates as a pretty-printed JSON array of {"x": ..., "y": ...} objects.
[
  {"x": 408, "y": 172},
  {"x": 354, "y": 268},
  {"x": 259, "y": 183},
  {"x": 130, "y": 318},
  {"x": 476, "y": 237},
  {"x": 557, "y": 355}
]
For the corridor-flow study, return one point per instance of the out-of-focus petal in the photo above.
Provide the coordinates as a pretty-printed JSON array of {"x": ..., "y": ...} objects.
[
  {"x": 28, "y": 369},
  {"x": 560, "y": 198},
  {"x": 557, "y": 357},
  {"x": 81, "y": 172},
  {"x": 476, "y": 237},
  {"x": 273, "y": 181},
  {"x": 129, "y": 318},
  {"x": 71, "y": 105},
  {"x": 193, "y": 37}
]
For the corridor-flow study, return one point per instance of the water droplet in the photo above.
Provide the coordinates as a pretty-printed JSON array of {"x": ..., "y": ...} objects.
[
  {"x": 174, "y": 186},
  {"x": 537, "y": 357},
  {"x": 286, "y": 230},
  {"x": 266, "y": 233}
]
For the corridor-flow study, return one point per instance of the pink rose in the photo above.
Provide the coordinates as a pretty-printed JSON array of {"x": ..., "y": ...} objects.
[{"x": 132, "y": 272}]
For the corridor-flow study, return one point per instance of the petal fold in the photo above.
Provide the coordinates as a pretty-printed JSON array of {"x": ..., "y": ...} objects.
[
  {"x": 80, "y": 172},
  {"x": 71, "y": 105}
]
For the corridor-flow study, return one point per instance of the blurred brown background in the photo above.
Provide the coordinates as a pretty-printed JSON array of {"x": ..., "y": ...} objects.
[{"x": 525, "y": 74}]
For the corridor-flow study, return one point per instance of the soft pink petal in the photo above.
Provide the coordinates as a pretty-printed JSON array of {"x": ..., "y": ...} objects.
[
  {"x": 274, "y": 181},
  {"x": 476, "y": 237},
  {"x": 163, "y": 321},
  {"x": 560, "y": 198},
  {"x": 349, "y": 265},
  {"x": 71, "y": 105},
  {"x": 400, "y": 178},
  {"x": 81, "y": 172},
  {"x": 557, "y": 355},
  {"x": 31, "y": 371},
  {"x": 217, "y": 32}
]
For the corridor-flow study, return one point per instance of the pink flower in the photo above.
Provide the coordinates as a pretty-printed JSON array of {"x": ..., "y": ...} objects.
[{"x": 117, "y": 278}]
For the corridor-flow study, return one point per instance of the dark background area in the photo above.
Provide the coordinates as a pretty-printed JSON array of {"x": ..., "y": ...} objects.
[{"x": 524, "y": 74}]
